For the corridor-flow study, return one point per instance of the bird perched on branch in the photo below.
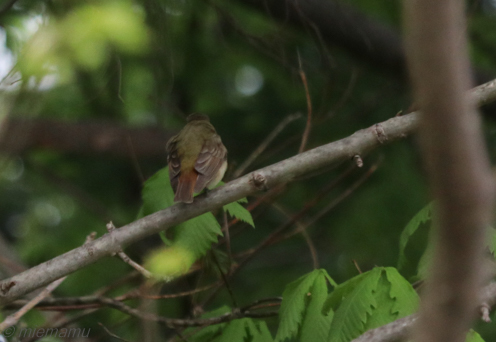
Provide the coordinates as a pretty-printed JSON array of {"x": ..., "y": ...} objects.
[{"x": 197, "y": 158}]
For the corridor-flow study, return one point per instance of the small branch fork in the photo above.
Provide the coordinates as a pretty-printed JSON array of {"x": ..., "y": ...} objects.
[{"x": 127, "y": 259}]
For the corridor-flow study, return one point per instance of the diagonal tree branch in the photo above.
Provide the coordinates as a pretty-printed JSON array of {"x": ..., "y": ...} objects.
[{"x": 271, "y": 176}]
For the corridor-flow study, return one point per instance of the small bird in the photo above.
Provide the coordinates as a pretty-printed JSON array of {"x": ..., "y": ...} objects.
[{"x": 197, "y": 158}]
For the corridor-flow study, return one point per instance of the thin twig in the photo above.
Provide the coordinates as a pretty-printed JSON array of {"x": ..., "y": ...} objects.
[
  {"x": 357, "y": 266},
  {"x": 264, "y": 144},
  {"x": 273, "y": 236},
  {"x": 227, "y": 239},
  {"x": 341, "y": 197},
  {"x": 134, "y": 158},
  {"x": 111, "y": 333},
  {"x": 311, "y": 246},
  {"x": 127, "y": 259},
  {"x": 14, "y": 318},
  {"x": 308, "y": 126},
  {"x": 226, "y": 282},
  {"x": 174, "y": 295},
  {"x": 304, "y": 233}
]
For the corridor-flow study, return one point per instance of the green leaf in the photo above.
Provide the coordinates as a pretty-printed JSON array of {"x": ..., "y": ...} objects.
[
  {"x": 298, "y": 303},
  {"x": 351, "y": 316},
  {"x": 245, "y": 329},
  {"x": 473, "y": 336},
  {"x": 168, "y": 263},
  {"x": 425, "y": 261},
  {"x": 369, "y": 300},
  {"x": 197, "y": 234},
  {"x": 316, "y": 325},
  {"x": 423, "y": 216},
  {"x": 237, "y": 210},
  {"x": 341, "y": 291},
  {"x": 258, "y": 331},
  {"x": 405, "y": 296}
]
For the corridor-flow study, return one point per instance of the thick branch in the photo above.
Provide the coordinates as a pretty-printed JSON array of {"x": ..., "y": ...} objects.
[
  {"x": 285, "y": 171},
  {"x": 457, "y": 165},
  {"x": 18, "y": 136}
]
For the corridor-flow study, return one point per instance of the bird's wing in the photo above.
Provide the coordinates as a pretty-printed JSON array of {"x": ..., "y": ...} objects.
[
  {"x": 173, "y": 161},
  {"x": 211, "y": 157}
]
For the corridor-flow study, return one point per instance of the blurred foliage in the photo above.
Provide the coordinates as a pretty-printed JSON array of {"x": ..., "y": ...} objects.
[{"x": 150, "y": 63}]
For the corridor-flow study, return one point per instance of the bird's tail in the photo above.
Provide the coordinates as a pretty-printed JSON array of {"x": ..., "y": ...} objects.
[{"x": 185, "y": 187}]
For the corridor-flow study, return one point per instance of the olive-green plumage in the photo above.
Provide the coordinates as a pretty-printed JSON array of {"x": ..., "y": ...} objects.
[{"x": 197, "y": 158}]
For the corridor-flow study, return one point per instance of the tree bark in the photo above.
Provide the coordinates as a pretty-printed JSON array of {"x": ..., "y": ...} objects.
[{"x": 457, "y": 166}]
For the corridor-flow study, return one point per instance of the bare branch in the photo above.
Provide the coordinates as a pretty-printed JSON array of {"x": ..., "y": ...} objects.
[
  {"x": 282, "y": 172},
  {"x": 272, "y": 135},
  {"x": 14, "y": 318},
  {"x": 124, "y": 257}
]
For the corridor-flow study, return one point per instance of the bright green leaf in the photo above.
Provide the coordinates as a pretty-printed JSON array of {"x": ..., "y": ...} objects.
[
  {"x": 198, "y": 234},
  {"x": 369, "y": 300},
  {"x": 298, "y": 302},
  {"x": 351, "y": 316},
  {"x": 168, "y": 263},
  {"x": 237, "y": 210},
  {"x": 245, "y": 329},
  {"x": 258, "y": 331},
  {"x": 316, "y": 325},
  {"x": 473, "y": 336},
  {"x": 405, "y": 297}
]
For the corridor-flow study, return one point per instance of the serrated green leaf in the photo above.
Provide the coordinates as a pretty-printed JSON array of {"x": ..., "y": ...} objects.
[
  {"x": 293, "y": 305},
  {"x": 235, "y": 331},
  {"x": 244, "y": 329},
  {"x": 237, "y": 210},
  {"x": 258, "y": 331},
  {"x": 295, "y": 301},
  {"x": 382, "y": 311},
  {"x": 351, "y": 315},
  {"x": 341, "y": 291},
  {"x": 198, "y": 234},
  {"x": 473, "y": 336},
  {"x": 242, "y": 200},
  {"x": 316, "y": 325},
  {"x": 405, "y": 297},
  {"x": 369, "y": 300},
  {"x": 423, "y": 216}
]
